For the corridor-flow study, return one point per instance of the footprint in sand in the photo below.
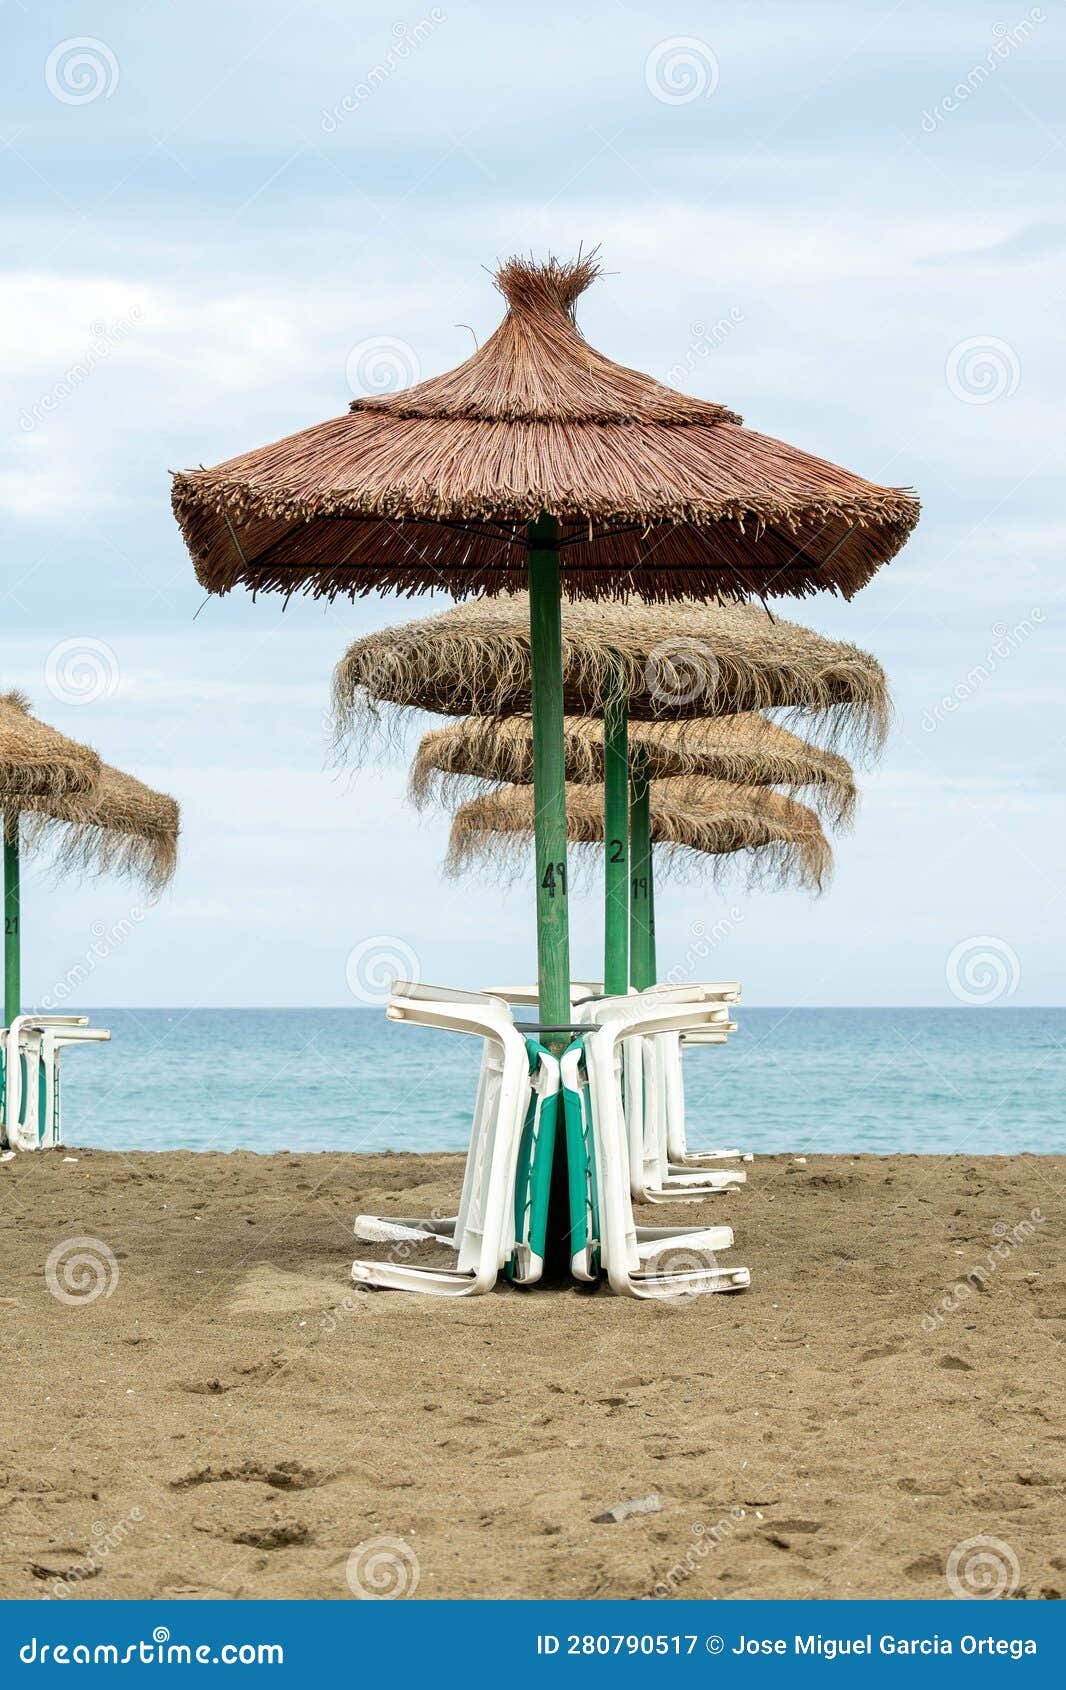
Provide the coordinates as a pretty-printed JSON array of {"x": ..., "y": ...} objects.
[{"x": 281, "y": 1475}]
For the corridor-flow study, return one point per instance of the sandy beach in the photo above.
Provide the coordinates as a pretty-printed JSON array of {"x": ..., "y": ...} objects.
[{"x": 227, "y": 1418}]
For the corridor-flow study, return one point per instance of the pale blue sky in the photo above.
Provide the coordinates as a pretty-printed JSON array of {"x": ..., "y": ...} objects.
[{"x": 190, "y": 256}]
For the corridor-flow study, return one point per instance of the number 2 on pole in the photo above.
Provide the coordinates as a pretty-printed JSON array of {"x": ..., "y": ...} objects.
[{"x": 554, "y": 879}]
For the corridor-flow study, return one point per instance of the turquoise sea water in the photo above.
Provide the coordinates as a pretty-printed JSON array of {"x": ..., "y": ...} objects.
[{"x": 977, "y": 1081}]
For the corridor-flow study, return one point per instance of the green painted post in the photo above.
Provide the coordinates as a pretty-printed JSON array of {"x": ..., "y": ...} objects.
[
  {"x": 640, "y": 965},
  {"x": 653, "y": 967},
  {"x": 549, "y": 771},
  {"x": 12, "y": 916},
  {"x": 616, "y": 844}
]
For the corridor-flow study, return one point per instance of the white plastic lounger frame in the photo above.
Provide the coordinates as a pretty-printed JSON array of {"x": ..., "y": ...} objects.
[
  {"x": 680, "y": 1157},
  {"x": 525, "y": 997},
  {"x": 31, "y": 1049},
  {"x": 646, "y": 1103},
  {"x": 621, "y": 1257},
  {"x": 54, "y": 1040},
  {"x": 448, "y": 1230},
  {"x": 651, "y": 1241},
  {"x": 655, "y": 1103},
  {"x": 486, "y": 1239},
  {"x": 438, "y": 1229}
]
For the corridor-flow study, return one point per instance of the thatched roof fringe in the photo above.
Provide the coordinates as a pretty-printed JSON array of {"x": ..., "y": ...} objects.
[
  {"x": 92, "y": 818},
  {"x": 686, "y": 662},
  {"x": 470, "y": 757},
  {"x": 697, "y": 827},
  {"x": 123, "y": 827}
]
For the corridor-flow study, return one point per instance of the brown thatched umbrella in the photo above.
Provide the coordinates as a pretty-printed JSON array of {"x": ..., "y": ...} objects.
[
  {"x": 654, "y": 492},
  {"x": 691, "y": 820},
  {"x": 539, "y": 461},
  {"x": 94, "y": 816},
  {"x": 464, "y": 759}
]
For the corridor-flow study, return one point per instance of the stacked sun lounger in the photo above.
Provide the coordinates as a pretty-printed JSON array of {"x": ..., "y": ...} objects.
[
  {"x": 612, "y": 1093},
  {"x": 30, "y": 1052}
]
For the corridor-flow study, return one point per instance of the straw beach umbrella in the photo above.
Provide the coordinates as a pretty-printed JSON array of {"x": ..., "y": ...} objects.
[
  {"x": 35, "y": 761},
  {"x": 57, "y": 794},
  {"x": 692, "y": 820},
  {"x": 466, "y": 758},
  {"x": 685, "y": 663},
  {"x": 539, "y": 462},
  {"x": 121, "y": 827},
  {"x": 481, "y": 752},
  {"x": 39, "y": 761}
]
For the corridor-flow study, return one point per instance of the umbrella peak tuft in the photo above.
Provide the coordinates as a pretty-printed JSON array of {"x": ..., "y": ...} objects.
[
  {"x": 537, "y": 367},
  {"x": 554, "y": 285}
]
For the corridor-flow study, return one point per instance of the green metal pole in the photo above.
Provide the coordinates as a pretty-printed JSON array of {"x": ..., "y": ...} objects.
[
  {"x": 549, "y": 771},
  {"x": 640, "y": 912},
  {"x": 653, "y": 967},
  {"x": 12, "y": 916},
  {"x": 616, "y": 844}
]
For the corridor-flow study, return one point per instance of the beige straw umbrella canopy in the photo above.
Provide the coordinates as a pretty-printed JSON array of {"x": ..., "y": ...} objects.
[
  {"x": 57, "y": 794},
  {"x": 463, "y": 759},
  {"x": 692, "y": 819},
  {"x": 686, "y": 662},
  {"x": 37, "y": 761},
  {"x": 620, "y": 664},
  {"x": 121, "y": 827}
]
